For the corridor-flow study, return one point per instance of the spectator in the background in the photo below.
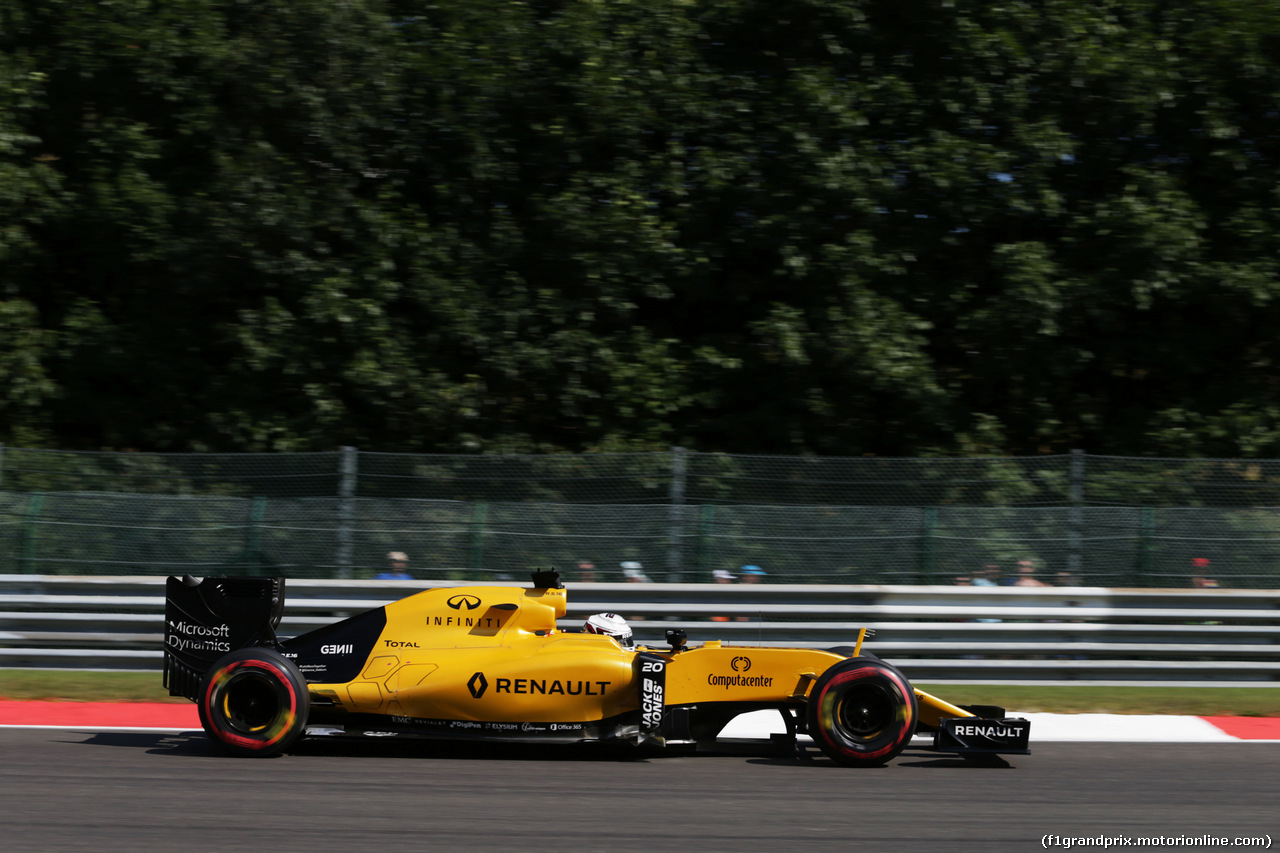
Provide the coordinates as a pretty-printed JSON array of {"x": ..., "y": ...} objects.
[
  {"x": 988, "y": 575},
  {"x": 1027, "y": 574},
  {"x": 586, "y": 572},
  {"x": 750, "y": 574},
  {"x": 397, "y": 567},
  {"x": 1200, "y": 574},
  {"x": 721, "y": 576},
  {"x": 634, "y": 572}
]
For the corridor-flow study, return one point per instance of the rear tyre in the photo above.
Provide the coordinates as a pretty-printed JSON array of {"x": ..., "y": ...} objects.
[
  {"x": 254, "y": 702},
  {"x": 862, "y": 712}
]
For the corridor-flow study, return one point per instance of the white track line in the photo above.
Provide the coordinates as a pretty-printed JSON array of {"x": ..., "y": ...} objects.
[{"x": 1048, "y": 728}]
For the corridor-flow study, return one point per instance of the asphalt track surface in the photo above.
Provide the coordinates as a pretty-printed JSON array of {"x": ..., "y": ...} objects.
[{"x": 72, "y": 790}]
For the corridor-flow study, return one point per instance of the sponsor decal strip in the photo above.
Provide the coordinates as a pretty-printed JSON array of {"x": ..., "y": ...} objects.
[
  {"x": 184, "y": 636},
  {"x": 987, "y": 731},
  {"x": 727, "y": 681},
  {"x": 533, "y": 686},
  {"x": 653, "y": 689},
  {"x": 478, "y": 684},
  {"x": 465, "y": 727}
]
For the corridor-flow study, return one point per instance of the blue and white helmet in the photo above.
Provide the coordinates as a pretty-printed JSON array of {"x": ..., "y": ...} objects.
[{"x": 611, "y": 625}]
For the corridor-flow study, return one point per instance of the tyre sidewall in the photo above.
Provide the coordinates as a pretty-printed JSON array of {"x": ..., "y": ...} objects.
[
  {"x": 840, "y": 684},
  {"x": 269, "y": 675}
]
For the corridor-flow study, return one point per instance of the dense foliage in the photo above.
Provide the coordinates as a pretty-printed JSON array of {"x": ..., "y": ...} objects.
[{"x": 765, "y": 226}]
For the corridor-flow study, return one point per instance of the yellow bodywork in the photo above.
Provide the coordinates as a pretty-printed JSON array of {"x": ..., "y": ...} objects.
[
  {"x": 495, "y": 654},
  {"x": 933, "y": 710}
]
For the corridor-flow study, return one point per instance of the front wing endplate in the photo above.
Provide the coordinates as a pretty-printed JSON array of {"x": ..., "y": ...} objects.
[{"x": 1009, "y": 736}]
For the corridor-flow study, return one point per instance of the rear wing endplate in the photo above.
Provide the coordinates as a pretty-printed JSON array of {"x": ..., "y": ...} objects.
[{"x": 206, "y": 619}]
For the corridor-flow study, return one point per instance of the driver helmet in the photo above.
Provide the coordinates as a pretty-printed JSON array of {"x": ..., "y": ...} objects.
[{"x": 611, "y": 625}]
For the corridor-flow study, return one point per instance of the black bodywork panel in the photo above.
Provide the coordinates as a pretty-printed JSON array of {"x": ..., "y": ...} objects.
[{"x": 204, "y": 620}]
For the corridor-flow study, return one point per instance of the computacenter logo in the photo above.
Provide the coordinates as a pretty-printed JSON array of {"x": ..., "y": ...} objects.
[
  {"x": 740, "y": 665},
  {"x": 470, "y": 602}
]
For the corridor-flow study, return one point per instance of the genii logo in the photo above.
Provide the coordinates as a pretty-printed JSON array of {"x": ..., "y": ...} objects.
[
  {"x": 478, "y": 685},
  {"x": 470, "y": 602},
  {"x": 740, "y": 664}
]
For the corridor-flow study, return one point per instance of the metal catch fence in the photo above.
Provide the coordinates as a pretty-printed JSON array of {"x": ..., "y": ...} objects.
[{"x": 1079, "y": 519}]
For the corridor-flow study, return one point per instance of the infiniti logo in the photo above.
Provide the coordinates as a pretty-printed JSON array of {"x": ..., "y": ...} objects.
[
  {"x": 740, "y": 664},
  {"x": 458, "y": 602}
]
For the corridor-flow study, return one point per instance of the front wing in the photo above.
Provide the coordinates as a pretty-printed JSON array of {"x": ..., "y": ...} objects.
[{"x": 983, "y": 736}]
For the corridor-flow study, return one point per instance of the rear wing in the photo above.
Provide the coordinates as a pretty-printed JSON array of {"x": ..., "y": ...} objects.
[{"x": 206, "y": 619}]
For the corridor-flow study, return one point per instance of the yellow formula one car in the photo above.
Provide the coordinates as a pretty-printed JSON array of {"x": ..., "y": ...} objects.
[{"x": 488, "y": 662}]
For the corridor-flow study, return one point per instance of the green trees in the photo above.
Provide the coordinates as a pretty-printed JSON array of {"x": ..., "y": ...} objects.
[
  {"x": 777, "y": 227},
  {"x": 29, "y": 196}
]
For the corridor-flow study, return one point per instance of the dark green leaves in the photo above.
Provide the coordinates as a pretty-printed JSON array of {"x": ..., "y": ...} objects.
[{"x": 798, "y": 227}]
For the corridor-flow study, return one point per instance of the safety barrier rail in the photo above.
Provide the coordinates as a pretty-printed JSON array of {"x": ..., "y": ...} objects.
[{"x": 934, "y": 633}]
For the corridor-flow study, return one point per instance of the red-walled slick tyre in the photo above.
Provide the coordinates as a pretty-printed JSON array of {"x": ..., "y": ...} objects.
[
  {"x": 254, "y": 702},
  {"x": 862, "y": 712}
]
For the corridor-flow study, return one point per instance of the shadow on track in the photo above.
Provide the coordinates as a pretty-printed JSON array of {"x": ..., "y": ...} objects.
[{"x": 195, "y": 744}]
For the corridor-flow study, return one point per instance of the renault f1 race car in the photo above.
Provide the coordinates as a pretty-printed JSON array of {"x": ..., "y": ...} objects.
[{"x": 489, "y": 663}]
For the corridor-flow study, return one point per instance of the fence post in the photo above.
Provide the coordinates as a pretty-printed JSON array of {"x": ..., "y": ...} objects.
[
  {"x": 253, "y": 536},
  {"x": 1075, "y": 516},
  {"x": 675, "y": 523},
  {"x": 347, "y": 467},
  {"x": 29, "y": 532},
  {"x": 1146, "y": 544},
  {"x": 479, "y": 518},
  {"x": 706, "y": 523},
  {"x": 928, "y": 549}
]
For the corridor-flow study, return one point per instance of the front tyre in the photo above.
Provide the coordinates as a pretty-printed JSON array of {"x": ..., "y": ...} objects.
[
  {"x": 254, "y": 702},
  {"x": 862, "y": 712}
]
